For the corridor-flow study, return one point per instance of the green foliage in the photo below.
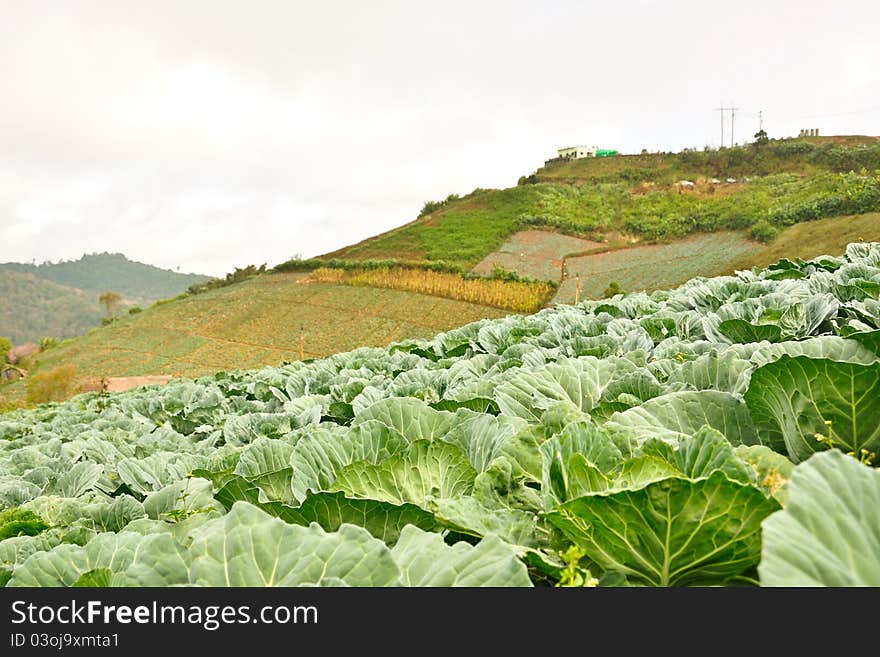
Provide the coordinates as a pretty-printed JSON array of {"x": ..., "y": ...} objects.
[
  {"x": 777, "y": 200},
  {"x": 5, "y": 346},
  {"x": 432, "y": 206},
  {"x": 20, "y": 522},
  {"x": 162, "y": 302},
  {"x": 134, "y": 310},
  {"x": 48, "y": 343},
  {"x": 311, "y": 264},
  {"x": 763, "y": 231},
  {"x": 236, "y": 276},
  {"x": 612, "y": 289},
  {"x": 573, "y": 575}
]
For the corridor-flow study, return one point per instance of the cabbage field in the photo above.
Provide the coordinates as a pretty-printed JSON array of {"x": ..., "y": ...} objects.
[{"x": 722, "y": 433}]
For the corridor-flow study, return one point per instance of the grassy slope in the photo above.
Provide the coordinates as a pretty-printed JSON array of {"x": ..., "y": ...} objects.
[
  {"x": 815, "y": 238},
  {"x": 32, "y": 308},
  {"x": 607, "y": 195},
  {"x": 255, "y": 323},
  {"x": 464, "y": 232}
]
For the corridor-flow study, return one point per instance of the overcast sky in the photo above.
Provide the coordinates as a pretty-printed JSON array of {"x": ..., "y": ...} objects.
[{"x": 210, "y": 135}]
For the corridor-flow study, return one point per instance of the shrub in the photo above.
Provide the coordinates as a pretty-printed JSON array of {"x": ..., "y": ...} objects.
[
  {"x": 612, "y": 289},
  {"x": 763, "y": 231},
  {"x": 54, "y": 385},
  {"x": 47, "y": 343},
  {"x": 162, "y": 302},
  {"x": 240, "y": 274},
  {"x": 134, "y": 310},
  {"x": 5, "y": 346},
  {"x": 431, "y": 206}
]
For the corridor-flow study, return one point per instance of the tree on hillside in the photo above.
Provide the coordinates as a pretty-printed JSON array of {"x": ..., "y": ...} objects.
[
  {"x": 110, "y": 301},
  {"x": 761, "y": 137},
  {"x": 5, "y": 346}
]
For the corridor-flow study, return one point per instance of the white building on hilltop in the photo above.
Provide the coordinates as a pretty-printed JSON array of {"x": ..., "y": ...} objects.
[{"x": 577, "y": 152}]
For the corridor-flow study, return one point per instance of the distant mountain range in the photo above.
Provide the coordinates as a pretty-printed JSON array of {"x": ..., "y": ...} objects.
[{"x": 60, "y": 299}]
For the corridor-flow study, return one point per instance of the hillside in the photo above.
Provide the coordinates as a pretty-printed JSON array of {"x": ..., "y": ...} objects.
[
  {"x": 583, "y": 238},
  {"x": 632, "y": 198},
  {"x": 99, "y": 272},
  {"x": 32, "y": 308},
  {"x": 251, "y": 324},
  {"x": 813, "y": 238},
  {"x": 60, "y": 299}
]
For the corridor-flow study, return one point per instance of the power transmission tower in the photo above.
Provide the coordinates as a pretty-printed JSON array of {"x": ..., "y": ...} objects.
[{"x": 760, "y": 120}]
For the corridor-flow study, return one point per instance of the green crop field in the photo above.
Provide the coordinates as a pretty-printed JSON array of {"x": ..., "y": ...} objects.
[
  {"x": 719, "y": 434},
  {"x": 655, "y": 266}
]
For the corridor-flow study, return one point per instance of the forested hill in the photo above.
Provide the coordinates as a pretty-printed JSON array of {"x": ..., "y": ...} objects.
[
  {"x": 60, "y": 300},
  {"x": 99, "y": 272}
]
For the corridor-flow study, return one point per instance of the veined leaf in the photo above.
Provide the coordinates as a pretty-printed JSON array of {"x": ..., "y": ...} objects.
[
  {"x": 411, "y": 418},
  {"x": 792, "y": 400},
  {"x": 741, "y": 331},
  {"x": 673, "y": 532},
  {"x": 320, "y": 455},
  {"x": 426, "y": 469},
  {"x": 382, "y": 519}
]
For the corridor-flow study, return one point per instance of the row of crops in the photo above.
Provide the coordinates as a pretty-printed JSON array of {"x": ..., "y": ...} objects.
[{"x": 722, "y": 433}]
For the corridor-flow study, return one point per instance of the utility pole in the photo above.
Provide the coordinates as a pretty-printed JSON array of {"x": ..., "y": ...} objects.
[
  {"x": 732, "y": 111},
  {"x": 732, "y": 114},
  {"x": 760, "y": 120}
]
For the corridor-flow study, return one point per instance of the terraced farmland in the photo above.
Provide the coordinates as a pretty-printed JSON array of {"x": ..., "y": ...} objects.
[
  {"x": 655, "y": 266},
  {"x": 538, "y": 254}
]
